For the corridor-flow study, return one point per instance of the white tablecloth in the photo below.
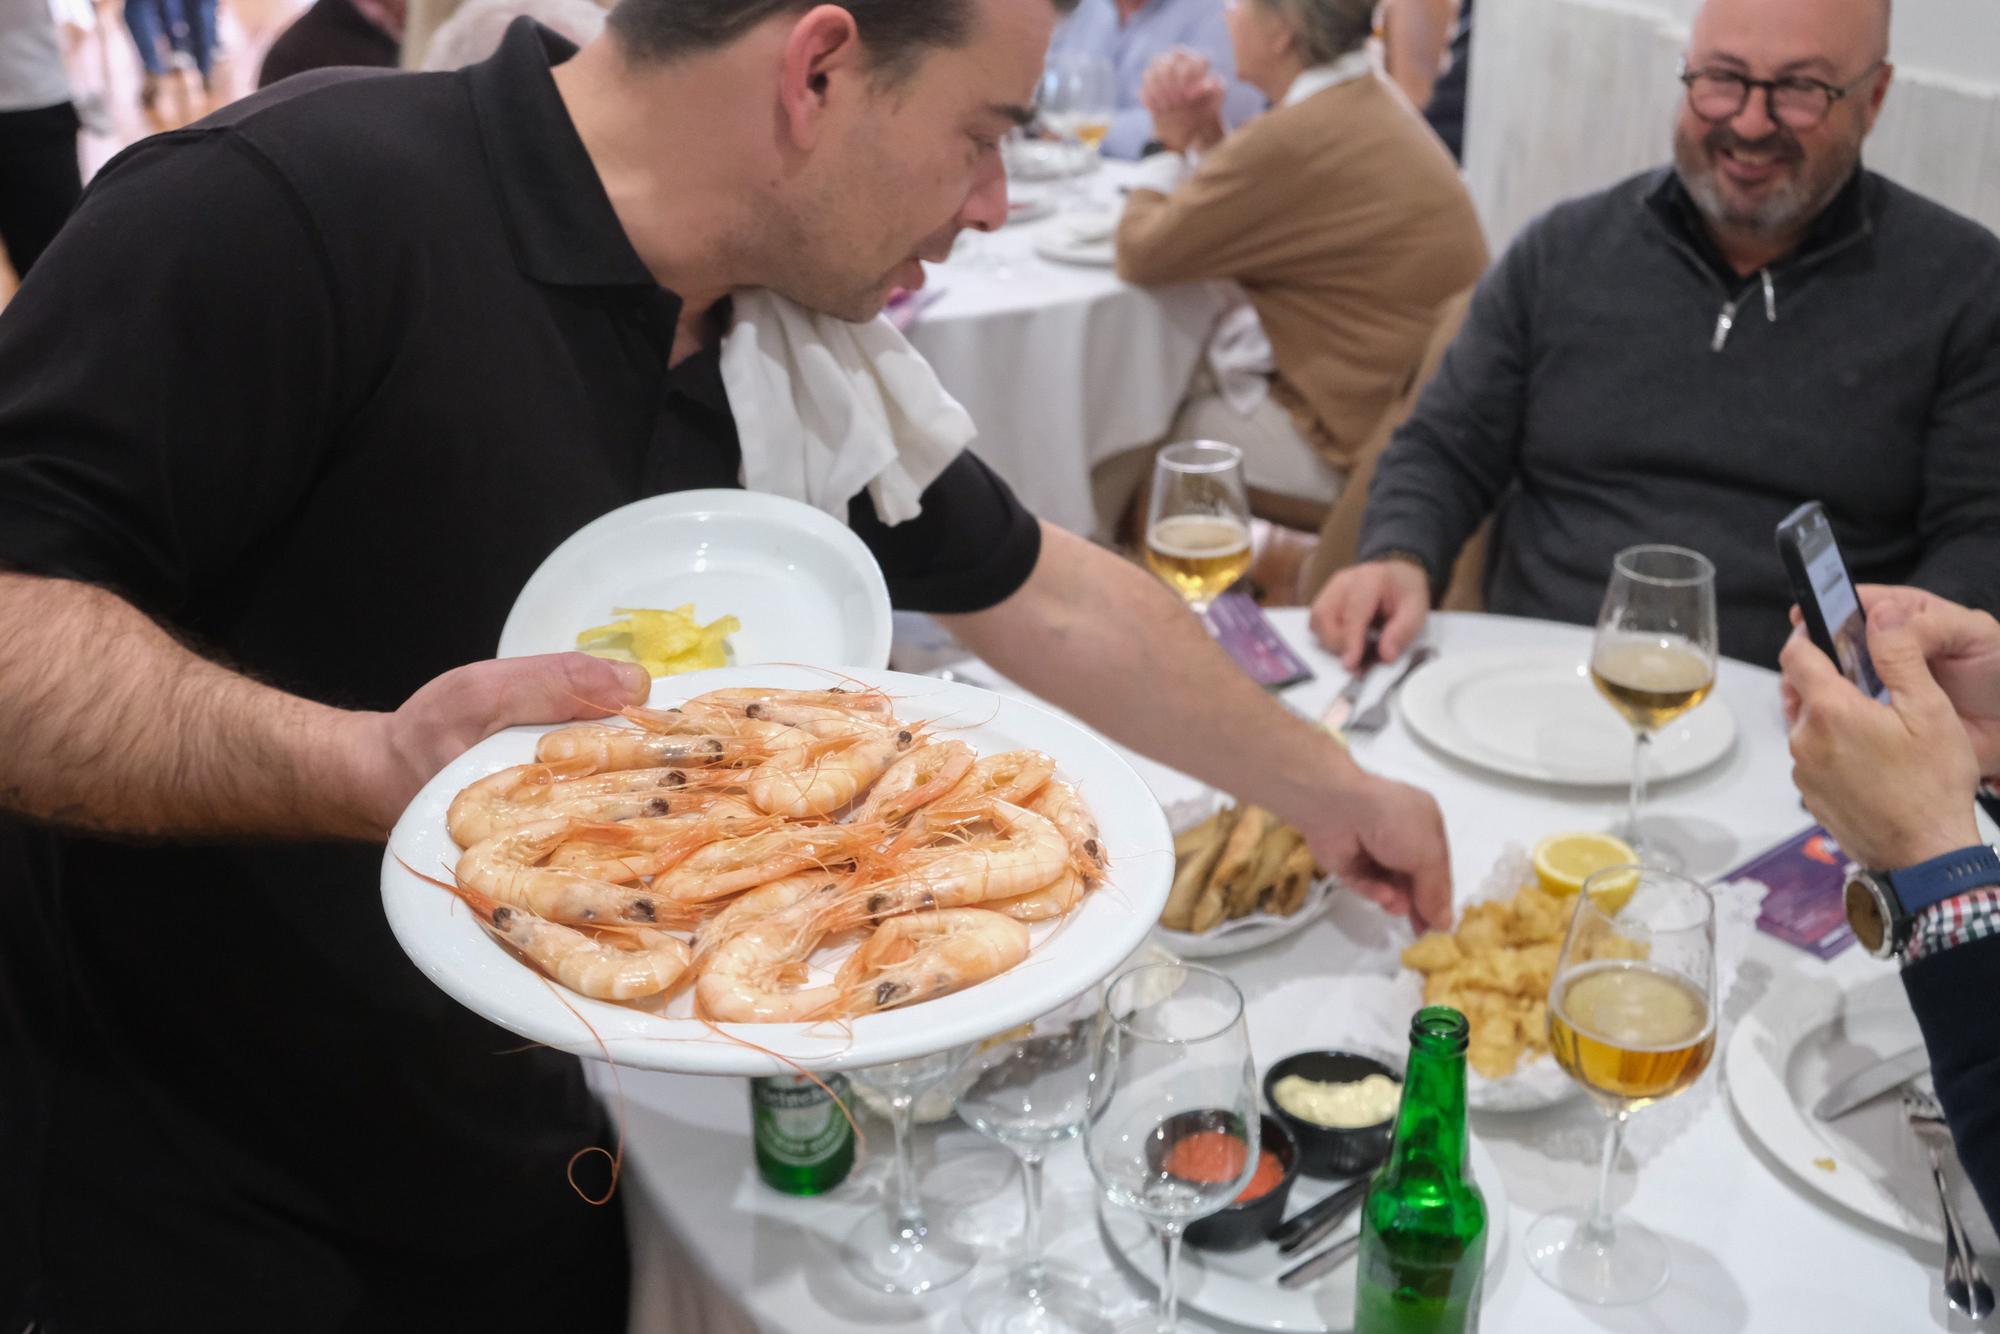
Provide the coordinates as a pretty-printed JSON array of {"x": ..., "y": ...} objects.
[
  {"x": 1061, "y": 365},
  {"x": 1752, "y": 1251}
]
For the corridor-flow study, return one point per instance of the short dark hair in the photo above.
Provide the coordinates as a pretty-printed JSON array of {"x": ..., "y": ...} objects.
[{"x": 895, "y": 32}]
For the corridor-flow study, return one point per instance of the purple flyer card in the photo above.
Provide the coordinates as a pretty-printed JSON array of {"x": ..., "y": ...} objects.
[
  {"x": 1241, "y": 627},
  {"x": 1807, "y": 877}
]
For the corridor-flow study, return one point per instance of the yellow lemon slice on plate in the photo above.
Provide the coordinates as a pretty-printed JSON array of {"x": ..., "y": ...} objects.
[{"x": 1564, "y": 861}]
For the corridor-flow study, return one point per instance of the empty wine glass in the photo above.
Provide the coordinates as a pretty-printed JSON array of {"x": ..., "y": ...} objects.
[
  {"x": 1632, "y": 1019},
  {"x": 1029, "y": 1093},
  {"x": 1171, "y": 1126},
  {"x": 906, "y": 1256},
  {"x": 1198, "y": 520},
  {"x": 1654, "y": 655}
]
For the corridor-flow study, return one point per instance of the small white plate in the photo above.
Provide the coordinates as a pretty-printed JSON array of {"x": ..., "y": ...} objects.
[
  {"x": 1066, "y": 957},
  {"x": 1804, "y": 1037},
  {"x": 1046, "y": 159},
  {"x": 1241, "y": 1287},
  {"x": 1247, "y": 933},
  {"x": 804, "y": 586},
  {"x": 1533, "y": 713},
  {"x": 1067, "y": 248},
  {"x": 1028, "y": 209}
]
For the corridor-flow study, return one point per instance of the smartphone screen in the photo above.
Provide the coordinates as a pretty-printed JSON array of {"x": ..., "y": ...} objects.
[{"x": 1832, "y": 593}]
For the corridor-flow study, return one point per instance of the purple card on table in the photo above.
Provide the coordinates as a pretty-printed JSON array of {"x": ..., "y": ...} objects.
[
  {"x": 1241, "y": 627},
  {"x": 1807, "y": 877}
]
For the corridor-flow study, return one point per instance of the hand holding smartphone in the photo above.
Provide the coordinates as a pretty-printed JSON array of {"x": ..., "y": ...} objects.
[{"x": 1826, "y": 596}]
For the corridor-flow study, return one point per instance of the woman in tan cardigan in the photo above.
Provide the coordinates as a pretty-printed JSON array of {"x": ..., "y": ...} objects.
[{"x": 1340, "y": 214}]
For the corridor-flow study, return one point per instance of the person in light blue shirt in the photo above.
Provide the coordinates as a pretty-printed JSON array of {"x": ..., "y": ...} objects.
[{"x": 1131, "y": 34}]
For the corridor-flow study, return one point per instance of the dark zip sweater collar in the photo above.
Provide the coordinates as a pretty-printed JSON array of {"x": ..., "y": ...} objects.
[{"x": 1842, "y": 224}]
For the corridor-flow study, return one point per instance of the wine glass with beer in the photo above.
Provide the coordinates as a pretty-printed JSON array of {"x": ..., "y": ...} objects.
[
  {"x": 1654, "y": 657},
  {"x": 1077, "y": 99},
  {"x": 1198, "y": 520},
  {"x": 1632, "y": 1019}
]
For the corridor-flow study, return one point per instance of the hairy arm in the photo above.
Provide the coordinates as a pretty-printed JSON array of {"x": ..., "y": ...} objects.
[
  {"x": 111, "y": 724},
  {"x": 1099, "y": 637}
]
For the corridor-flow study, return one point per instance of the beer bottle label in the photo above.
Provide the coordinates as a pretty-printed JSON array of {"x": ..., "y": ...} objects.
[{"x": 797, "y": 1124}]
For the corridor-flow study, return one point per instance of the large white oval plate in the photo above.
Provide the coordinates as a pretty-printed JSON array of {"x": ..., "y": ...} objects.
[
  {"x": 1067, "y": 957},
  {"x": 1804, "y": 1037},
  {"x": 1533, "y": 713},
  {"x": 1241, "y": 1287},
  {"x": 804, "y": 586}
]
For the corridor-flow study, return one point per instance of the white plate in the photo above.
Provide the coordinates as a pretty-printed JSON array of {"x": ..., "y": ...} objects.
[
  {"x": 1046, "y": 159},
  {"x": 1247, "y": 933},
  {"x": 1065, "y": 249},
  {"x": 1068, "y": 956},
  {"x": 1533, "y": 713},
  {"x": 1241, "y": 1286},
  {"x": 804, "y": 586},
  {"x": 1803, "y": 1038},
  {"x": 1027, "y": 210}
]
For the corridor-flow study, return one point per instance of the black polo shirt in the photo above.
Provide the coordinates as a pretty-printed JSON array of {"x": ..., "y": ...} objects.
[{"x": 319, "y": 382}]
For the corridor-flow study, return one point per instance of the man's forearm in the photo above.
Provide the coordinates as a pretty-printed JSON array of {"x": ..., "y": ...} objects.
[
  {"x": 1099, "y": 637},
  {"x": 107, "y": 723}
]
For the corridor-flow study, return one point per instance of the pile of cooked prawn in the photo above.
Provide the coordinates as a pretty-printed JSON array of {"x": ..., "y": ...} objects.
[{"x": 720, "y": 844}]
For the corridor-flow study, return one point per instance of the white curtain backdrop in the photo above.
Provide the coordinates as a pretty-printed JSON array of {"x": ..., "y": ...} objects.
[{"x": 1569, "y": 96}]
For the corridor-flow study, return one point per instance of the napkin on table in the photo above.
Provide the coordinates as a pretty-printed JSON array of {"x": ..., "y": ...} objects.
[{"x": 825, "y": 408}]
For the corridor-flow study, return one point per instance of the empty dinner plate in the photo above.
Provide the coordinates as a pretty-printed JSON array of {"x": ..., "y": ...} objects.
[
  {"x": 1085, "y": 238},
  {"x": 804, "y": 586},
  {"x": 1533, "y": 713}
]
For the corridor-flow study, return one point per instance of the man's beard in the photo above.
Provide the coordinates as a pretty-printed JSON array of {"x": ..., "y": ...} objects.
[{"x": 1788, "y": 205}]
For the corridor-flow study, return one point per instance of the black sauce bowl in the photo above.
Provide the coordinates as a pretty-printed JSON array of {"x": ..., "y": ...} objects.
[
  {"x": 1328, "y": 1151},
  {"x": 1239, "y": 1226}
]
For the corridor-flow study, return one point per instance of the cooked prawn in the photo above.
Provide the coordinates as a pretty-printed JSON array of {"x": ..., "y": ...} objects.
[
  {"x": 823, "y": 778},
  {"x": 1027, "y": 854},
  {"x": 636, "y": 962},
  {"x": 798, "y": 706},
  {"x": 528, "y": 792},
  {"x": 922, "y": 775},
  {"x": 1012, "y": 776},
  {"x": 1038, "y": 905},
  {"x": 1059, "y": 804},
  {"x": 729, "y": 865},
  {"x": 756, "y": 972},
  {"x": 508, "y": 867},
  {"x": 754, "y": 904},
  {"x": 598, "y": 747},
  {"x": 925, "y": 955}
]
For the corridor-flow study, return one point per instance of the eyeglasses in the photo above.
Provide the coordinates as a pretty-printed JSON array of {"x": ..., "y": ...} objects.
[{"x": 1797, "y": 102}]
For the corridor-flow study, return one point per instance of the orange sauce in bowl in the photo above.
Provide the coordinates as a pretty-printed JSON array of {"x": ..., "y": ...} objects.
[
  {"x": 1214, "y": 1155},
  {"x": 1265, "y": 1179}
]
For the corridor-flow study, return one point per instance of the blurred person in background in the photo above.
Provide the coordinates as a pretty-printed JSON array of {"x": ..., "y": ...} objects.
[
  {"x": 1893, "y": 783},
  {"x": 1341, "y": 217},
  {"x": 364, "y": 33},
  {"x": 39, "y": 177},
  {"x": 1688, "y": 356},
  {"x": 1427, "y": 51},
  {"x": 163, "y": 30},
  {"x": 1131, "y": 35}
]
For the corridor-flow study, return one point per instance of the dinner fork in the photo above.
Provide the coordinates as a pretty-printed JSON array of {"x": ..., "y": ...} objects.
[
  {"x": 1965, "y": 1288},
  {"x": 1376, "y": 716}
]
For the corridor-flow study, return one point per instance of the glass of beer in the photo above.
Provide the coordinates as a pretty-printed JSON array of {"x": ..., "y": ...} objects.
[
  {"x": 1198, "y": 520},
  {"x": 1654, "y": 657},
  {"x": 1077, "y": 98},
  {"x": 1632, "y": 1019}
]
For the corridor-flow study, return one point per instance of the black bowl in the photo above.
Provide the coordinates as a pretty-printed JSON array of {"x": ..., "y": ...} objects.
[
  {"x": 1237, "y": 1227},
  {"x": 1327, "y": 1151}
]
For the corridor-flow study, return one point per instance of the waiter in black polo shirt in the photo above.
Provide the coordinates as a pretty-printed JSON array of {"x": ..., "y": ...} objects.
[{"x": 288, "y": 413}]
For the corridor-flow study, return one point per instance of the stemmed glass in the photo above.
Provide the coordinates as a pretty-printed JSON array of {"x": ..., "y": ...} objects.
[
  {"x": 1654, "y": 656},
  {"x": 1198, "y": 520},
  {"x": 1632, "y": 1019},
  {"x": 1028, "y": 1092},
  {"x": 906, "y": 1256},
  {"x": 1077, "y": 98},
  {"x": 1171, "y": 1127}
]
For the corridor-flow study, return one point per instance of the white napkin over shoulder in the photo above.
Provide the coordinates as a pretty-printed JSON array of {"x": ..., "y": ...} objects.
[{"x": 825, "y": 407}]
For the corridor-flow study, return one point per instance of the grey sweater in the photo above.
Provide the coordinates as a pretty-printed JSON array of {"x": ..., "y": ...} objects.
[{"x": 1616, "y": 384}]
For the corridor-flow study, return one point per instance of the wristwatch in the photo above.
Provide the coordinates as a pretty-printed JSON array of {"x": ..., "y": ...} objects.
[{"x": 1883, "y": 905}]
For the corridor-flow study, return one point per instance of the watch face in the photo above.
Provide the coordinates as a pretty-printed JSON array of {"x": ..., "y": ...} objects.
[{"x": 1866, "y": 917}]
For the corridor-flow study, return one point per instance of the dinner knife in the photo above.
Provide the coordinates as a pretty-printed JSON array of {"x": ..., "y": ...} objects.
[
  {"x": 1872, "y": 1082},
  {"x": 1344, "y": 703},
  {"x": 1305, "y": 1272},
  {"x": 1312, "y": 1223}
]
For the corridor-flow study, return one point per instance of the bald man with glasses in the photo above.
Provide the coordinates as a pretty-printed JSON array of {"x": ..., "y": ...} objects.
[{"x": 1690, "y": 354}]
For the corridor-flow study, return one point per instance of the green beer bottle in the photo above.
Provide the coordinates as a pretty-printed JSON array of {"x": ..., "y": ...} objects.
[
  {"x": 803, "y": 1141},
  {"x": 1423, "y": 1224}
]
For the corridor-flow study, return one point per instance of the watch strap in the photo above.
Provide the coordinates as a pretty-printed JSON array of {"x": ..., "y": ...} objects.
[{"x": 1919, "y": 887}]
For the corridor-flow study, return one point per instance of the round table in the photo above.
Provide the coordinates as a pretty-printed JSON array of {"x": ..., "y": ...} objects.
[
  {"x": 1062, "y": 366},
  {"x": 1752, "y": 1251}
]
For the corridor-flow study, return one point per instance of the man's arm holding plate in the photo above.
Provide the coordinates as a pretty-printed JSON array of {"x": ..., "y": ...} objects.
[{"x": 1096, "y": 635}]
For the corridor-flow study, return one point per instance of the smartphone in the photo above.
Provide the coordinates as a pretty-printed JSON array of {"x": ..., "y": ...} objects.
[{"x": 1826, "y": 595}]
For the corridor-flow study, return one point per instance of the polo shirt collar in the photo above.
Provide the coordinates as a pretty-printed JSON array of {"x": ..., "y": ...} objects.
[
  {"x": 560, "y": 220},
  {"x": 1842, "y": 222},
  {"x": 1318, "y": 78}
]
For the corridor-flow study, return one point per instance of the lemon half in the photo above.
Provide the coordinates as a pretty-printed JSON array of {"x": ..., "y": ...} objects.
[{"x": 1564, "y": 861}]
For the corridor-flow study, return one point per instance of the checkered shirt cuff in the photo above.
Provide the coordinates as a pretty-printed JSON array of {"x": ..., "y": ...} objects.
[{"x": 1966, "y": 917}]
